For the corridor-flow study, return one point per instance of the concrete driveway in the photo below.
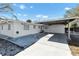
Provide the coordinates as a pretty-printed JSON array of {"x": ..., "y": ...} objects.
[{"x": 47, "y": 47}]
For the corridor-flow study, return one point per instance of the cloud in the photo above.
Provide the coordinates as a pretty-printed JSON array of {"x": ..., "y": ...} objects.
[
  {"x": 14, "y": 13},
  {"x": 41, "y": 16},
  {"x": 22, "y": 7},
  {"x": 14, "y": 4},
  {"x": 31, "y": 6},
  {"x": 38, "y": 16},
  {"x": 24, "y": 15},
  {"x": 19, "y": 14},
  {"x": 67, "y": 8},
  {"x": 44, "y": 16}
]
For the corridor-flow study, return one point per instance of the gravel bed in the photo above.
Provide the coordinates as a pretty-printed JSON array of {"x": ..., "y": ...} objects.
[{"x": 9, "y": 49}]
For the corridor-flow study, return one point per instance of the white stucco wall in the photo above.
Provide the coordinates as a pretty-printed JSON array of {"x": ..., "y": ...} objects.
[
  {"x": 17, "y": 26},
  {"x": 5, "y": 30},
  {"x": 57, "y": 28}
]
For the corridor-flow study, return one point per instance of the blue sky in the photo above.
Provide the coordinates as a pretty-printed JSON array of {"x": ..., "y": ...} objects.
[{"x": 43, "y": 11}]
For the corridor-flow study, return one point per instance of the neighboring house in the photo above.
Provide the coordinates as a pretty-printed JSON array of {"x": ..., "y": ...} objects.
[{"x": 16, "y": 28}]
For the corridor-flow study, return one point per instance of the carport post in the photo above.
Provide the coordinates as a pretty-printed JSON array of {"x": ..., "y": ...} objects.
[{"x": 69, "y": 32}]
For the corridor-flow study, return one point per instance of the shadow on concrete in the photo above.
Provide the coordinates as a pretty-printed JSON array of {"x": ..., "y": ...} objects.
[
  {"x": 75, "y": 39},
  {"x": 60, "y": 38}
]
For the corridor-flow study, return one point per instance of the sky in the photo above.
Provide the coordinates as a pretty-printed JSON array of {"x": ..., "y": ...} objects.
[{"x": 40, "y": 11}]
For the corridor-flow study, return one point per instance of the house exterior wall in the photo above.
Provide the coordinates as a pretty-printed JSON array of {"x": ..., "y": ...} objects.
[
  {"x": 17, "y": 26},
  {"x": 57, "y": 28},
  {"x": 20, "y": 28},
  {"x": 5, "y": 30}
]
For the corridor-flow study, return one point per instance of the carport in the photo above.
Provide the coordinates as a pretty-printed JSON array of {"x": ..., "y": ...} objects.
[{"x": 63, "y": 21}]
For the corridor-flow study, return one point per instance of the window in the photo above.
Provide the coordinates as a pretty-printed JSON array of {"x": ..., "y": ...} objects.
[
  {"x": 34, "y": 26},
  {"x": 9, "y": 27},
  {"x": 26, "y": 27},
  {"x": 38, "y": 26},
  {"x": 41, "y": 27},
  {"x": 45, "y": 27},
  {"x": 2, "y": 27}
]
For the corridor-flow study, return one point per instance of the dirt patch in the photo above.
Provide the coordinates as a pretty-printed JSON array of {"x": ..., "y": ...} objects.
[{"x": 74, "y": 47}]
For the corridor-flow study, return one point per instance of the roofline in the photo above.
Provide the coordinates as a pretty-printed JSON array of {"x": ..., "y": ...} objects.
[
  {"x": 7, "y": 21},
  {"x": 60, "y": 21},
  {"x": 42, "y": 23}
]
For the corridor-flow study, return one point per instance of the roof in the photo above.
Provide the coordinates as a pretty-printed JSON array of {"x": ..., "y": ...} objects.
[
  {"x": 17, "y": 21},
  {"x": 60, "y": 21}
]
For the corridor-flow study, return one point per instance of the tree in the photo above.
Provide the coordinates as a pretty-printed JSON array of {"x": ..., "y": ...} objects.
[
  {"x": 73, "y": 12},
  {"x": 7, "y": 8},
  {"x": 29, "y": 21},
  {"x": 74, "y": 26}
]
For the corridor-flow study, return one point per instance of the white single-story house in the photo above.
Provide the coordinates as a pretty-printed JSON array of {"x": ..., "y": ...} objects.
[{"x": 16, "y": 28}]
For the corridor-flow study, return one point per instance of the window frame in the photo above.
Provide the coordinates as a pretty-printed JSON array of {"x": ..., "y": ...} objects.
[
  {"x": 2, "y": 27},
  {"x": 26, "y": 26},
  {"x": 9, "y": 26},
  {"x": 34, "y": 26}
]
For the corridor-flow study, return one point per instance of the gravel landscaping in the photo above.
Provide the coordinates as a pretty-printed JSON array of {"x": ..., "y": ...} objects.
[
  {"x": 26, "y": 41},
  {"x": 10, "y": 47}
]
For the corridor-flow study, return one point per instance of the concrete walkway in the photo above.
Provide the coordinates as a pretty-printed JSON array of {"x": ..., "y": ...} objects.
[{"x": 43, "y": 47}]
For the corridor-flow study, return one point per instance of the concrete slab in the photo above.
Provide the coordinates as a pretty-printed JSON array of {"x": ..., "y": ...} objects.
[{"x": 47, "y": 48}]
